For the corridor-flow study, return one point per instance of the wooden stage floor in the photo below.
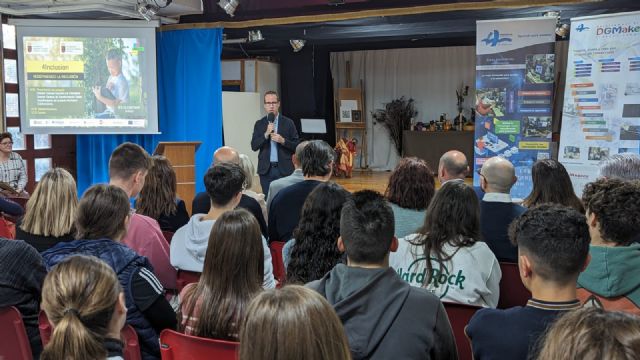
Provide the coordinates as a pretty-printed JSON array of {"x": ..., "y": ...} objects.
[{"x": 372, "y": 180}]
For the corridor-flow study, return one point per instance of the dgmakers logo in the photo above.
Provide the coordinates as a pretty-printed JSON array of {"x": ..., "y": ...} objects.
[
  {"x": 618, "y": 29},
  {"x": 440, "y": 281}
]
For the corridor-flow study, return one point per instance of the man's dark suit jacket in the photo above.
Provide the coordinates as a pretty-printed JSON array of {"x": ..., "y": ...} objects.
[
  {"x": 287, "y": 129},
  {"x": 202, "y": 203},
  {"x": 495, "y": 218}
]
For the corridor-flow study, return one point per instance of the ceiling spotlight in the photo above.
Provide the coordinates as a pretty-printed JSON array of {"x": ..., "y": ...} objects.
[
  {"x": 297, "y": 44},
  {"x": 147, "y": 11},
  {"x": 229, "y": 6},
  {"x": 254, "y": 36},
  {"x": 562, "y": 30}
]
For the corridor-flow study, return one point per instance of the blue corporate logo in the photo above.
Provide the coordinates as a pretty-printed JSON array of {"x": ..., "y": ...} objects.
[
  {"x": 582, "y": 28},
  {"x": 494, "y": 38}
]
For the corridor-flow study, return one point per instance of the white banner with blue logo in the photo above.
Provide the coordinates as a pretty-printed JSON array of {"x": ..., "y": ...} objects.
[
  {"x": 601, "y": 113},
  {"x": 515, "y": 73}
]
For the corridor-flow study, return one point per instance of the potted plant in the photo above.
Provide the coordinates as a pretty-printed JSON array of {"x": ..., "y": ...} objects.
[{"x": 396, "y": 117}]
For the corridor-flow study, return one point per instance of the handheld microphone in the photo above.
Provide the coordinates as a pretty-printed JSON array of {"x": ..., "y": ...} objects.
[{"x": 271, "y": 118}]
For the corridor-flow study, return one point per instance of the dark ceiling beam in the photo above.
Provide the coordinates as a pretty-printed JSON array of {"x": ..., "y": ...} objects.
[{"x": 414, "y": 10}]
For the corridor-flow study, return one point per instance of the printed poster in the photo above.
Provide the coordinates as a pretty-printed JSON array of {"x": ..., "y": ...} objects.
[
  {"x": 601, "y": 112},
  {"x": 515, "y": 74}
]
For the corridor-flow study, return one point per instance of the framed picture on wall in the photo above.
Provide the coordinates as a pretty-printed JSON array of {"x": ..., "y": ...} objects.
[{"x": 356, "y": 115}]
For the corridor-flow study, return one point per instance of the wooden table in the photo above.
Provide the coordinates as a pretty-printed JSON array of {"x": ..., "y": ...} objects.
[{"x": 430, "y": 145}]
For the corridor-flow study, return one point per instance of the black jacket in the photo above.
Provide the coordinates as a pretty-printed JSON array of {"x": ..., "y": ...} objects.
[
  {"x": 201, "y": 204},
  {"x": 384, "y": 317},
  {"x": 287, "y": 129}
]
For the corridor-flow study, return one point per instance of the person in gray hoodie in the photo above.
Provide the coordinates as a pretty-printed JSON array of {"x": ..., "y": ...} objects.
[
  {"x": 224, "y": 183},
  {"x": 384, "y": 317}
]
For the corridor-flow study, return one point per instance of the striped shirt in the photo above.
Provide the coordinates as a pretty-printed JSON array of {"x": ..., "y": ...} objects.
[{"x": 13, "y": 172}]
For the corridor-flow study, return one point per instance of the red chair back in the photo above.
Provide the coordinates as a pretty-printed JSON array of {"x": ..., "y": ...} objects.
[
  {"x": 128, "y": 335},
  {"x": 45, "y": 328},
  {"x": 131, "y": 349},
  {"x": 168, "y": 235},
  {"x": 512, "y": 291},
  {"x": 185, "y": 278},
  {"x": 174, "y": 345},
  {"x": 14, "y": 343},
  {"x": 459, "y": 316},
  {"x": 7, "y": 228},
  {"x": 279, "y": 271}
]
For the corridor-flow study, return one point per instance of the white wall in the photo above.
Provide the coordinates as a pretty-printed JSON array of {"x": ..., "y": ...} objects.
[{"x": 240, "y": 111}]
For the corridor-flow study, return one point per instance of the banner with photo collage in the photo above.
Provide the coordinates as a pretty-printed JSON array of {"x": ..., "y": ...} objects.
[
  {"x": 515, "y": 71},
  {"x": 601, "y": 112}
]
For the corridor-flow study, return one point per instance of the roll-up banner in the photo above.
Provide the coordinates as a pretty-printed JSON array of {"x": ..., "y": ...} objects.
[
  {"x": 601, "y": 112},
  {"x": 515, "y": 73}
]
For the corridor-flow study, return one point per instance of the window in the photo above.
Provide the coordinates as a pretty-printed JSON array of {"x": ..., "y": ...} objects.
[{"x": 40, "y": 152}]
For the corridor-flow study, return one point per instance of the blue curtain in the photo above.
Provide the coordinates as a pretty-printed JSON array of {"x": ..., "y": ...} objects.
[{"x": 189, "y": 105}]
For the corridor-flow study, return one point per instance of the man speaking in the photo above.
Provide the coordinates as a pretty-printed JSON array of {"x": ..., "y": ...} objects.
[{"x": 275, "y": 137}]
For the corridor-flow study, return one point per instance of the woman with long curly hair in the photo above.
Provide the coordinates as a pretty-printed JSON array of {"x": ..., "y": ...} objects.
[
  {"x": 314, "y": 249},
  {"x": 446, "y": 255},
  {"x": 552, "y": 184},
  {"x": 158, "y": 199},
  {"x": 410, "y": 189}
]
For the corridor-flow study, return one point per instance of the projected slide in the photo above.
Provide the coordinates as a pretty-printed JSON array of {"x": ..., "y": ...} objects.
[{"x": 84, "y": 82}]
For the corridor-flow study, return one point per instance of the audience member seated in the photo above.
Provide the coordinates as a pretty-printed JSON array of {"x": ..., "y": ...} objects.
[
  {"x": 12, "y": 169},
  {"x": 295, "y": 177},
  {"x": 621, "y": 166},
  {"x": 22, "y": 272},
  {"x": 232, "y": 276},
  {"x": 593, "y": 334},
  {"x": 51, "y": 211},
  {"x": 314, "y": 249},
  {"x": 613, "y": 216},
  {"x": 553, "y": 247},
  {"x": 224, "y": 183},
  {"x": 409, "y": 192},
  {"x": 128, "y": 167},
  {"x": 461, "y": 269},
  {"x": 497, "y": 209},
  {"x": 202, "y": 203},
  {"x": 552, "y": 184},
  {"x": 10, "y": 208},
  {"x": 453, "y": 166},
  {"x": 250, "y": 174},
  {"x": 102, "y": 218},
  {"x": 292, "y": 323},
  {"x": 85, "y": 303},
  {"x": 158, "y": 199},
  {"x": 384, "y": 317},
  {"x": 284, "y": 213}
]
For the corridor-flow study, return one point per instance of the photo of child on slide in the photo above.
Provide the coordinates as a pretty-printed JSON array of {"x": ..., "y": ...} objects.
[{"x": 116, "y": 91}]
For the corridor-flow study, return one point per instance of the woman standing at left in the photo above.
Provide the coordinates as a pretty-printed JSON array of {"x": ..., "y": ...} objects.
[{"x": 12, "y": 169}]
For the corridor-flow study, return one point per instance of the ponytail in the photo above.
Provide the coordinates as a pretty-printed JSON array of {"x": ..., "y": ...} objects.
[{"x": 72, "y": 340}]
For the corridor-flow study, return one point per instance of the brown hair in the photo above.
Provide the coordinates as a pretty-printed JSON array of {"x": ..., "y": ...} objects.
[
  {"x": 552, "y": 184},
  {"x": 292, "y": 323},
  {"x": 102, "y": 212},
  {"x": 411, "y": 184},
  {"x": 79, "y": 296},
  {"x": 231, "y": 277},
  {"x": 51, "y": 210},
  {"x": 593, "y": 334},
  {"x": 271, "y": 92},
  {"x": 6, "y": 135},
  {"x": 127, "y": 159},
  {"x": 616, "y": 204},
  {"x": 453, "y": 218},
  {"x": 158, "y": 195}
]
